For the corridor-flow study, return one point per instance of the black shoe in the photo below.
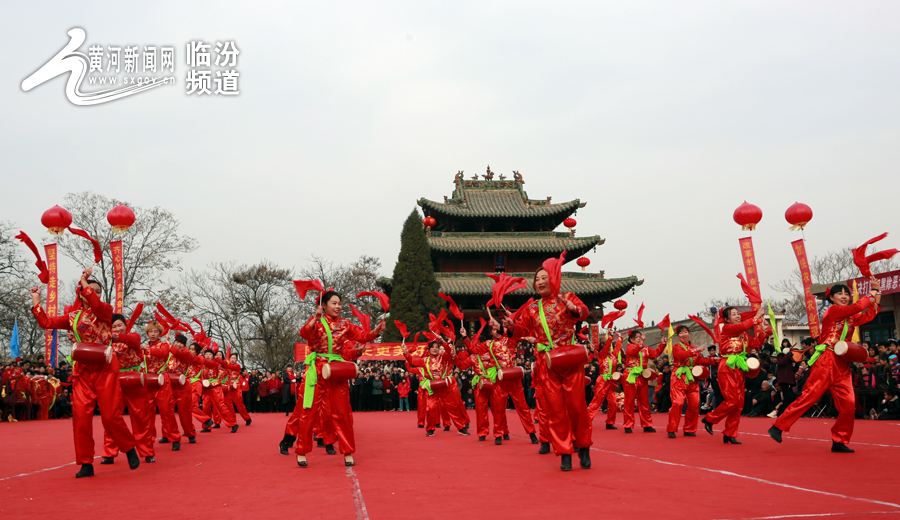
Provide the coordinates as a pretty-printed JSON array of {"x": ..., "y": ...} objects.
[
  {"x": 775, "y": 433},
  {"x": 163, "y": 440},
  {"x": 421, "y": 426},
  {"x": 216, "y": 426},
  {"x": 301, "y": 463},
  {"x": 671, "y": 435},
  {"x": 282, "y": 449},
  {"x": 107, "y": 460},
  {"x": 349, "y": 463},
  {"x": 483, "y": 437},
  {"x": 149, "y": 460},
  {"x": 545, "y": 448},
  {"x": 837, "y": 447},
  {"x": 730, "y": 440},
  {"x": 234, "y": 428},
  {"x": 329, "y": 449},
  {"x": 464, "y": 431},
  {"x": 584, "y": 455},
  {"x": 446, "y": 428},
  {"x": 707, "y": 425},
  {"x": 566, "y": 463},
  {"x": 498, "y": 440},
  {"x": 690, "y": 434},
  {"x": 87, "y": 470},
  {"x": 320, "y": 443},
  {"x": 649, "y": 429},
  {"x": 208, "y": 423},
  {"x": 628, "y": 430},
  {"x": 133, "y": 460},
  {"x": 506, "y": 437},
  {"x": 205, "y": 430},
  {"x": 248, "y": 422},
  {"x": 752, "y": 414},
  {"x": 533, "y": 437},
  {"x": 192, "y": 440},
  {"x": 611, "y": 427},
  {"x": 429, "y": 433},
  {"x": 176, "y": 446}
]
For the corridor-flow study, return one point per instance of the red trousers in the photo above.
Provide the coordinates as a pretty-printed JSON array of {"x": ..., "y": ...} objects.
[
  {"x": 483, "y": 400},
  {"x": 566, "y": 410},
  {"x": 230, "y": 416},
  {"x": 321, "y": 429},
  {"x": 210, "y": 407},
  {"x": 731, "y": 383},
  {"x": 237, "y": 399},
  {"x": 457, "y": 400},
  {"x": 543, "y": 429},
  {"x": 138, "y": 404},
  {"x": 216, "y": 401},
  {"x": 680, "y": 392},
  {"x": 183, "y": 398},
  {"x": 100, "y": 385},
  {"x": 162, "y": 398},
  {"x": 827, "y": 373},
  {"x": 196, "y": 392},
  {"x": 512, "y": 388},
  {"x": 604, "y": 391},
  {"x": 638, "y": 390},
  {"x": 433, "y": 413},
  {"x": 44, "y": 409},
  {"x": 333, "y": 396},
  {"x": 421, "y": 404}
]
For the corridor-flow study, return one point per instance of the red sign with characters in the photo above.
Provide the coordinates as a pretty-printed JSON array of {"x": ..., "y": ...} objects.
[
  {"x": 890, "y": 283},
  {"x": 52, "y": 299},
  {"x": 812, "y": 313},
  {"x": 118, "y": 274},
  {"x": 374, "y": 351}
]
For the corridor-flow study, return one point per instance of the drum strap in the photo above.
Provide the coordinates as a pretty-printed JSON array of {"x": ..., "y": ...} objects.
[
  {"x": 311, "y": 377},
  {"x": 609, "y": 361},
  {"x": 821, "y": 348},
  {"x": 541, "y": 346},
  {"x": 491, "y": 372},
  {"x": 165, "y": 365},
  {"x": 132, "y": 369}
]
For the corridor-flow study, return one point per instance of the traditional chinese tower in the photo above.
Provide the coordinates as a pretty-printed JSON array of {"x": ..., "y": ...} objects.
[{"x": 492, "y": 226}]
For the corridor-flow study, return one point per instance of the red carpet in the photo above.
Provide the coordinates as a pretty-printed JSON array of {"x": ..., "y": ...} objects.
[{"x": 402, "y": 474}]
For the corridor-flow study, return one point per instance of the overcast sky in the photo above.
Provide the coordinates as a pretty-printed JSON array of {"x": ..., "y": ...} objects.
[{"x": 663, "y": 116}]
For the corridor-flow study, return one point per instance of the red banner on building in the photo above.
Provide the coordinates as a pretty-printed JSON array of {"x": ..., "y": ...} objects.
[
  {"x": 374, "y": 351},
  {"x": 812, "y": 313},
  {"x": 118, "y": 274},
  {"x": 52, "y": 301},
  {"x": 890, "y": 283},
  {"x": 595, "y": 335}
]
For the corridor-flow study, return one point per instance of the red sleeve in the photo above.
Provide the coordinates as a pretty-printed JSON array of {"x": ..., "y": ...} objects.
[
  {"x": 632, "y": 350},
  {"x": 708, "y": 361},
  {"x": 732, "y": 330},
  {"x": 307, "y": 331},
  {"x": 356, "y": 333},
  {"x": 867, "y": 316},
  {"x": 103, "y": 311},
  {"x": 656, "y": 352},
  {"x": 182, "y": 355},
  {"x": 129, "y": 339},
  {"x": 842, "y": 312},
  {"x": 415, "y": 361},
  {"x": 606, "y": 348},
  {"x": 160, "y": 351},
  {"x": 582, "y": 308},
  {"x": 463, "y": 360},
  {"x": 479, "y": 348},
  {"x": 210, "y": 363},
  {"x": 46, "y": 322}
]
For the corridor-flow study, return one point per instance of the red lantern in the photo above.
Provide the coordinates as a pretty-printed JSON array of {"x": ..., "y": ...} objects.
[
  {"x": 620, "y": 305},
  {"x": 120, "y": 218},
  {"x": 798, "y": 215},
  {"x": 570, "y": 223},
  {"x": 747, "y": 216},
  {"x": 429, "y": 221},
  {"x": 56, "y": 220},
  {"x": 583, "y": 262}
]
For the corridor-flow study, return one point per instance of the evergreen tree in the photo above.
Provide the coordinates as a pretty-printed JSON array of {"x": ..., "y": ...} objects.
[{"x": 414, "y": 289}]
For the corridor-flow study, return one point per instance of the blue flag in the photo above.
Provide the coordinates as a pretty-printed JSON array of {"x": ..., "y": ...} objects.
[
  {"x": 14, "y": 341},
  {"x": 53, "y": 349}
]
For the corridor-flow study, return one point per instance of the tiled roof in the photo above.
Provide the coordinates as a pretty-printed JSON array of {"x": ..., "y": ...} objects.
[
  {"x": 542, "y": 242},
  {"x": 578, "y": 283},
  {"x": 473, "y": 198}
]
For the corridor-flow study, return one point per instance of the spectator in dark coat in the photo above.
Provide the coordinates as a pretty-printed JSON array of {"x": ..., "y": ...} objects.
[{"x": 784, "y": 376}]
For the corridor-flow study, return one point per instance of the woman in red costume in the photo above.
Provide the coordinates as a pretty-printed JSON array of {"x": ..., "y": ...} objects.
[
  {"x": 225, "y": 388},
  {"x": 437, "y": 365},
  {"x": 158, "y": 354},
  {"x": 330, "y": 337},
  {"x": 237, "y": 399},
  {"x": 609, "y": 358},
  {"x": 829, "y": 371},
  {"x": 131, "y": 359},
  {"x": 215, "y": 364},
  {"x": 91, "y": 320},
  {"x": 195, "y": 379},
  {"x": 735, "y": 343},
  {"x": 552, "y": 320},
  {"x": 637, "y": 356},
  {"x": 179, "y": 364},
  {"x": 684, "y": 387},
  {"x": 485, "y": 369}
]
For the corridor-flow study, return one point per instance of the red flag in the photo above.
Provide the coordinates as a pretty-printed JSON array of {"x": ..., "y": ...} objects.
[
  {"x": 515, "y": 316},
  {"x": 303, "y": 286},
  {"x": 480, "y": 329},
  {"x": 698, "y": 321},
  {"x": 44, "y": 274},
  {"x": 503, "y": 285},
  {"x": 665, "y": 323},
  {"x": 382, "y": 298},
  {"x": 402, "y": 328},
  {"x": 138, "y": 309},
  {"x": 98, "y": 253},
  {"x": 608, "y": 319},
  {"x": 640, "y": 317},
  {"x": 862, "y": 261},
  {"x": 228, "y": 353},
  {"x": 454, "y": 309},
  {"x": 750, "y": 292},
  {"x": 553, "y": 266},
  {"x": 364, "y": 319}
]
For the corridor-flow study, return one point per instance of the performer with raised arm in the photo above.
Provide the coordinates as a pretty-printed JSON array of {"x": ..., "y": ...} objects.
[
  {"x": 179, "y": 364},
  {"x": 134, "y": 396},
  {"x": 436, "y": 368},
  {"x": 158, "y": 356},
  {"x": 552, "y": 320},
  {"x": 90, "y": 320},
  {"x": 330, "y": 337},
  {"x": 609, "y": 358},
  {"x": 735, "y": 343},
  {"x": 684, "y": 386},
  {"x": 637, "y": 356},
  {"x": 195, "y": 379},
  {"x": 213, "y": 393},
  {"x": 830, "y": 371},
  {"x": 225, "y": 388},
  {"x": 234, "y": 375},
  {"x": 482, "y": 383}
]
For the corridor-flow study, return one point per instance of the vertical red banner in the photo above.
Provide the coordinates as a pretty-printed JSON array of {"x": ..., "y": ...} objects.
[
  {"x": 595, "y": 335},
  {"x": 118, "y": 275},
  {"x": 812, "y": 313},
  {"x": 52, "y": 300},
  {"x": 750, "y": 270}
]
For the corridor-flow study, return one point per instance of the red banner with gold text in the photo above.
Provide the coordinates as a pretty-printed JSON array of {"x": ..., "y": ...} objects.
[
  {"x": 750, "y": 270},
  {"x": 812, "y": 313},
  {"x": 52, "y": 300},
  {"x": 118, "y": 274},
  {"x": 374, "y": 351}
]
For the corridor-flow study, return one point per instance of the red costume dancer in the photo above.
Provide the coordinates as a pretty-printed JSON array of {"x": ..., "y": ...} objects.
[
  {"x": 734, "y": 342},
  {"x": 552, "y": 319},
  {"x": 323, "y": 427},
  {"x": 158, "y": 355},
  {"x": 43, "y": 395},
  {"x": 179, "y": 363},
  {"x": 605, "y": 388},
  {"x": 225, "y": 387},
  {"x": 421, "y": 395},
  {"x": 195, "y": 379},
  {"x": 437, "y": 365},
  {"x": 685, "y": 356},
  {"x": 503, "y": 355},
  {"x": 330, "y": 338},
  {"x": 212, "y": 372},
  {"x": 637, "y": 355},
  {"x": 237, "y": 399},
  {"x": 830, "y": 371},
  {"x": 484, "y": 368},
  {"x": 90, "y": 320},
  {"x": 131, "y": 359}
]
